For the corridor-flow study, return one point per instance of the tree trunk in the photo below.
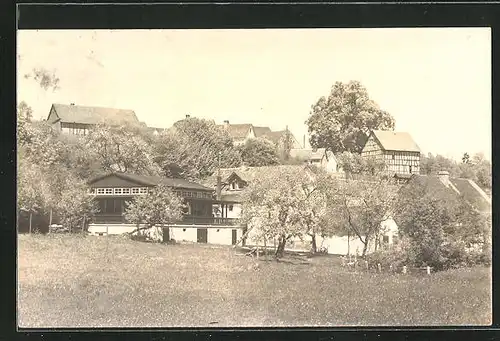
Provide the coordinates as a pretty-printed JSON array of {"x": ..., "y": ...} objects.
[
  {"x": 314, "y": 247},
  {"x": 50, "y": 220},
  {"x": 31, "y": 215},
  {"x": 348, "y": 243},
  {"x": 365, "y": 247},
  {"x": 280, "y": 251}
]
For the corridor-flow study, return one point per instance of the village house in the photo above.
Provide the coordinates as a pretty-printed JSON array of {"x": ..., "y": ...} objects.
[
  {"x": 319, "y": 157},
  {"x": 445, "y": 188},
  {"x": 398, "y": 149},
  {"x": 112, "y": 191},
  {"x": 240, "y": 133},
  {"x": 77, "y": 120}
]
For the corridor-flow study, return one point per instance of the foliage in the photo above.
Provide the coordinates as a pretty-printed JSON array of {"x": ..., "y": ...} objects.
[
  {"x": 259, "y": 152},
  {"x": 362, "y": 205},
  {"x": 160, "y": 206},
  {"x": 342, "y": 121},
  {"x": 477, "y": 168},
  {"x": 441, "y": 228},
  {"x": 121, "y": 149},
  {"x": 272, "y": 205},
  {"x": 355, "y": 164},
  {"x": 195, "y": 145}
]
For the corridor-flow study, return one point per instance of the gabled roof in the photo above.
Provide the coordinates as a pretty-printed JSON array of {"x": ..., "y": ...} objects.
[
  {"x": 275, "y": 136},
  {"x": 150, "y": 181},
  {"x": 247, "y": 174},
  {"x": 396, "y": 141},
  {"x": 308, "y": 154},
  {"x": 237, "y": 131},
  {"x": 94, "y": 115},
  {"x": 458, "y": 188},
  {"x": 260, "y": 131}
]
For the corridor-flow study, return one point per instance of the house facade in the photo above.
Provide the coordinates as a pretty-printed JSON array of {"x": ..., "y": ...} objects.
[
  {"x": 198, "y": 224},
  {"x": 78, "y": 120},
  {"x": 240, "y": 133},
  {"x": 398, "y": 149},
  {"x": 319, "y": 157}
]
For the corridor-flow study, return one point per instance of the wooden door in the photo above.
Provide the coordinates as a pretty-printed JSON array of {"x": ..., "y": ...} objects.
[
  {"x": 202, "y": 235},
  {"x": 233, "y": 241},
  {"x": 166, "y": 234}
]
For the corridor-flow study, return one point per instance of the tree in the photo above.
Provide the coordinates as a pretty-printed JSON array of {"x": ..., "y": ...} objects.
[
  {"x": 440, "y": 225},
  {"x": 73, "y": 204},
  {"x": 342, "y": 121},
  {"x": 121, "y": 149},
  {"x": 363, "y": 205},
  {"x": 159, "y": 207},
  {"x": 355, "y": 164},
  {"x": 271, "y": 205},
  {"x": 259, "y": 152},
  {"x": 194, "y": 145},
  {"x": 316, "y": 211}
]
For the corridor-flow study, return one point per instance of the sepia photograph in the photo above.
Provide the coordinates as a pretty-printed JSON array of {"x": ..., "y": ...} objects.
[{"x": 225, "y": 178}]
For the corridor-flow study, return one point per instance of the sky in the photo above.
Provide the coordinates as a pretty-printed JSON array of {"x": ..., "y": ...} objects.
[{"x": 435, "y": 82}]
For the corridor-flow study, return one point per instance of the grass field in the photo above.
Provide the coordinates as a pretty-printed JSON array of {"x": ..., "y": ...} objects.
[{"x": 72, "y": 281}]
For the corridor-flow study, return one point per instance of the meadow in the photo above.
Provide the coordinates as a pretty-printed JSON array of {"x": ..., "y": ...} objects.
[{"x": 83, "y": 281}]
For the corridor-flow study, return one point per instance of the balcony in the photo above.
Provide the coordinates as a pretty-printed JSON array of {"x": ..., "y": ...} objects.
[{"x": 186, "y": 220}]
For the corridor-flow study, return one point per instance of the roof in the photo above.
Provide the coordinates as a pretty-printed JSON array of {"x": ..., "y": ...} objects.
[
  {"x": 237, "y": 131},
  {"x": 275, "y": 136},
  {"x": 148, "y": 180},
  {"x": 260, "y": 131},
  {"x": 460, "y": 187},
  {"x": 245, "y": 173},
  {"x": 308, "y": 154},
  {"x": 94, "y": 115},
  {"x": 397, "y": 141}
]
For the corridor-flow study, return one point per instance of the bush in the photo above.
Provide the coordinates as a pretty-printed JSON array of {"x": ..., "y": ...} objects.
[{"x": 388, "y": 258}]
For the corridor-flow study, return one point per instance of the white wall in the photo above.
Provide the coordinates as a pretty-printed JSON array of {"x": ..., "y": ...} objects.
[
  {"x": 188, "y": 234},
  {"x": 222, "y": 236}
]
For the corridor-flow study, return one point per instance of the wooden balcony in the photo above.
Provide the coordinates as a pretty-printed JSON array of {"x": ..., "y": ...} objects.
[{"x": 186, "y": 220}]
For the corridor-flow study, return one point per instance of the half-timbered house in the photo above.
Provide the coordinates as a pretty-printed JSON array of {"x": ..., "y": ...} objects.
[
  {"x": 77, "y": 120},
  {"x": 398, "y": 149}
]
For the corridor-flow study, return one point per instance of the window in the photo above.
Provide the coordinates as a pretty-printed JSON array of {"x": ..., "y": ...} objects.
[
  {"x": 92, "y": 191},
  {"x": 126, "y": 191},
  {"x": 143, "y": 190},
  {"x": 385, "y": 239},
  {"x": 183, "y": 230},
  {"x": 109, "y": 191},
  {"x": 217, "y": 230},
  {"x": 118, "y": 191},
  {"x": 135, "y": 190},
  {"x": 230, "y": 208},
  {"x": 100, "y": 191}
]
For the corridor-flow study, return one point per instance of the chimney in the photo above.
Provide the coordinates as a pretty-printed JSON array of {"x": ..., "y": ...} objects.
[
  {"x": 304, "y": 141},
  {"x": 188, "y": 116},
  {"x": 219, "y": 187},
  {"x": 444, "y": 177}
]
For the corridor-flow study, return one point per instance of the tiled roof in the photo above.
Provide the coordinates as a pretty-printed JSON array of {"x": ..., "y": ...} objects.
[
  {"x": 260, "y": 131},
  {"x": 246, "y": 174},
  {"x": 274, "y": 136},
  {"x": 466, "y": 188},
  {"x": 237, "y": 131},
  {"x": 156, "y": 180},
  {"x": 94, "y": 115},
  {"x": 397, "y": 141}
]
